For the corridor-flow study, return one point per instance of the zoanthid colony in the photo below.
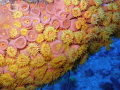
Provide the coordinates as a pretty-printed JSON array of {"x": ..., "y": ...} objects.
[{"x": 40, "y": 42}]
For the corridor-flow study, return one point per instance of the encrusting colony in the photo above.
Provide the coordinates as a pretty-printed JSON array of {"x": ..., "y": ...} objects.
[{"x": 40, "y": 42}]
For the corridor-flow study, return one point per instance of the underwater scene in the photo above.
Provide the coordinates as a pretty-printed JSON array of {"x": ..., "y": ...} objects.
[{"x": 59, "y": 45}]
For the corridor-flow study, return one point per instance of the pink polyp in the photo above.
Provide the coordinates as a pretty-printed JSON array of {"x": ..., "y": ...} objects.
[
  {"x": 29, "y": 25},
  {"x": 57, "y": 22},
  {"x": 53, "y": 47},
  {"x": 59, "y": 4},
  {"x": 20, "y": 42},
  {"x": 65, "y": 23},
  {"x": 31, "y": 35},
  {"x": 3, "y": 44},
  {"x": 45, "y": 21},
  {"x": 25, "y": 10},
  {"x": 4, "y": 34},
  {"x": 4, "y": 9},
  {"x": 35, "y": 12},
  {"x": 73, "y": 25},
  {"x": 62, "y": 14},
  {"x": 50, "y": 8},
  {"x": 42, "y": 6}
]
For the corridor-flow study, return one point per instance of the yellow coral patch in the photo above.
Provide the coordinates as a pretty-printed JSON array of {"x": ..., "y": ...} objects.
[
  {"x": 76, "y": 12},
  {"x": 17, "y": 23},
  {"x": 58, "y": 61},
  {"x": 72, "y": 55},
  {"x": 23, "y": 31},
  {"x": 83, "y": 4},
  {"x": 23, "y": 72},
  {"x": 6, "y": 79},
  {"x": 13, "y": 32},
  {"x": 32, "y": 49},
  {"x": 37, "y": 62},
  {"x": 45, "y": 49},
  {"x": 39, "y": 27},
  {"x": 13, "y": 68},
  {"x": 67, "y": 37},
  {"x": 67, "y": 2},
  {"x": 9, "y": 61},
  {"x": 40, "y": 38},
  {"x": 11, "y": 51},
  {"x": 50, "y": 33},
  {"x": 2, "y": 60},
  {"x": 75, "y": 2},
  {"x": 17, "y": 14},
  {"x": 22, "y": 60}
]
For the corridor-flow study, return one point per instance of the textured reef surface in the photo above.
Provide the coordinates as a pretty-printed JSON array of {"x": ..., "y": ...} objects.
[{"x": 40, "y": 42}]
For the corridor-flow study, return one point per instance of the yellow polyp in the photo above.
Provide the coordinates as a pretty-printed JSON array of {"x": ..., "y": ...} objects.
[
  {"x": 2, "y": 44},
  {"x": 78, "y": 24},
  {"x": 76, "y": 12},
  {"x": 87, "y": 14},
  {"x": 6, "y": 79},
  {"x": 49, "y": 33},
  {"x": 37, "y": 62},
  {"x": 75, "y": 2},
  {"x": 45, "y": 18},
  {"x": 13, "y": 32},
  {"x": 39, "y": 27},
  {"x": 23, "y": 72},
  {"x": 11, "y": 51},
  {"x": 17, "y": 14},
  {"x": 22, "y": 60},
  {"x": 10, "y": 61},
  {"x": 67, "y": 37},
  {"x": 2, "y": 60},
  {"x": 23, "y": 31},
  {"x": 58, "y": 61},
  {"x": 17, "y": 23},
  {"x": 39, "y": 38},
  {"x": 83, "y": 4},
  {"x": 13, "y": 68},
  {"x": 45, "y": 49},
  {"x": 73, "y": 55},
  {"x": 26, "y": 22},
  {"x": 67, "y": 2},
  {"x": 32, "y": 49}
]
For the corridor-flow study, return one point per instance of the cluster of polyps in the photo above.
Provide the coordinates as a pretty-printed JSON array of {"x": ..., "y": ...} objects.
[{"x": 40, "y": 42}]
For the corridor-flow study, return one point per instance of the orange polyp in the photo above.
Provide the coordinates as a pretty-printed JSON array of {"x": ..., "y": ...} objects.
[{"x": 3, "y": 45}]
